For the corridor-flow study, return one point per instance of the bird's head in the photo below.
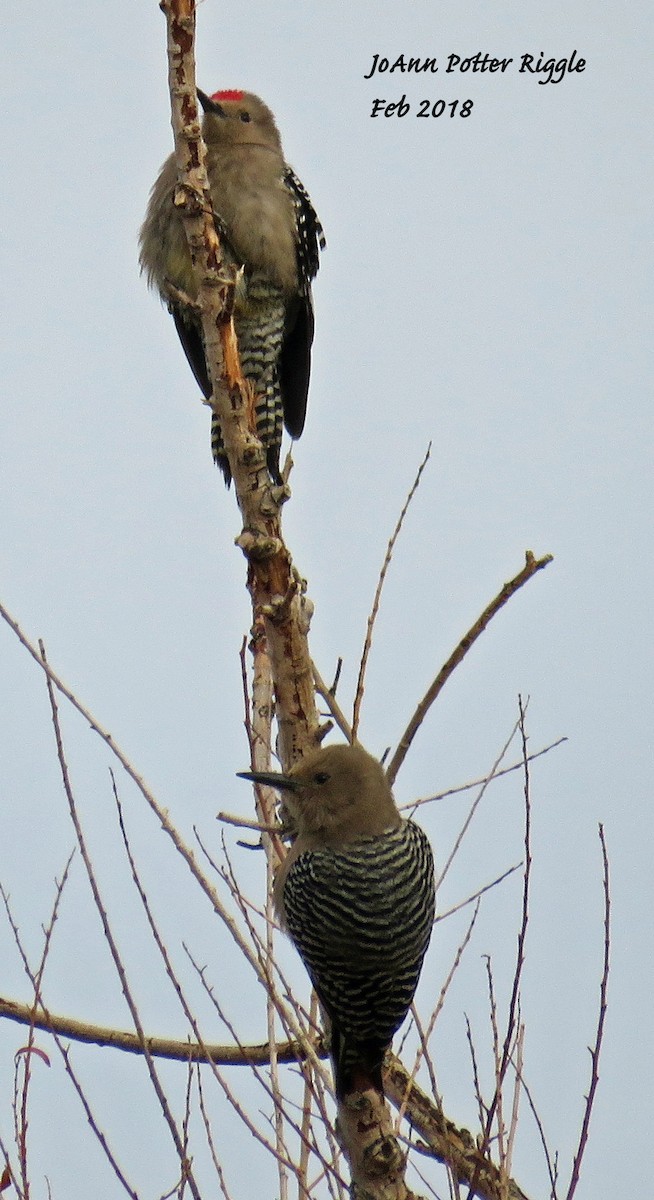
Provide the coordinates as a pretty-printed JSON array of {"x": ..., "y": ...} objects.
[
  {"x": 336, "y": 794},
  {"x": 235, "y": 118}
]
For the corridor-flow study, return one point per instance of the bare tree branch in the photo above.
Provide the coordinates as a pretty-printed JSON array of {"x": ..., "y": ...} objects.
[
  {"x": 185, "y": 1164},
  {"x": 412, "y": 805},
  {"x": 35, "y": 1024},
  {"x": 532, "y": 565},
  {"x": 474, "y": 806},
  {"x": 328, "y": 694},
  {"x": 358, "y": 696},
  {"x": 503, "y": 1063},
  {"x": 445, "y": 1141},
  {"x": 597, "y": 1048},
  {"x": 160, "y": 1047}
]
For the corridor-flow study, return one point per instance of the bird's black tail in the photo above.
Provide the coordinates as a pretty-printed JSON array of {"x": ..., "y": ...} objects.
[{"x": 357, "y": 1066}]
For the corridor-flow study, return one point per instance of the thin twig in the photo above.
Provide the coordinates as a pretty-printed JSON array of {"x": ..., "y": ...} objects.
[
  {"x": 328, "y": 694},
  {"x": 520, "y": 955},
  {"x": 244, "y": 823},
  {"x": 218, "y": 1168},
  {"x": 113, "y": 946},
  {"x": 482, "y": 1107},
  {"x": 497, "y": 1064},
  {"x": 439, "y": 1005},
  {"x": 283, "y": 1153},
  {"x": 467, "y": 787},
  {"x": 513, "y": 1127},
  {"x": 358, "y": 697},
  {"x": 24, "y": 1056},
  {"x": 307, "y": 1098},
  {"x": 38, "y": 1023},
  {"x": 552, "y": 1169},
  {"x": 596, "y": 1050},
  {"x": 532, "y": 565},
  {"x": 474, "y": 806},
  {"x": 161, "y": 814},
  {"x": 337, "y": 675},
  {"x": 449, "y": 912},
  {"x": 186, "y": 1123},
  {"x": 423, "y": 1038}
]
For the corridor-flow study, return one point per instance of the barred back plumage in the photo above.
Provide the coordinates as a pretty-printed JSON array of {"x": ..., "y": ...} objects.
[
  {"x": 260, "y": 325},
  {"x": 356, "y": 894},
  {"x": 361, "y": 919}
]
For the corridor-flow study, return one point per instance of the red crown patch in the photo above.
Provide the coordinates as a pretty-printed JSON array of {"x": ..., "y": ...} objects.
[{"x": 234, "y": 94}]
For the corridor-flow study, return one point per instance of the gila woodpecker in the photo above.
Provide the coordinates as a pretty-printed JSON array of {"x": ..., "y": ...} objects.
[
  {"x": 356, "y": 894},
  {"x": 268, "y": 227}
]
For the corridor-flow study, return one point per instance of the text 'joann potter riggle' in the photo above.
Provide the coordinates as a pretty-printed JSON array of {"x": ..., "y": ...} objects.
[{"x": 551, "y": 69}]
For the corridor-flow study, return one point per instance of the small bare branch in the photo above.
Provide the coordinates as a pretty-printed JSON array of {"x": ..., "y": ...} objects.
[
  {"x": 532, "y": 565},
  {"x": 307, "y": 1103},
  {"x": 358, "y": 697},
  {"x": 328, "y": 694},
  {"x": 35, "y": 1022},
  {"x": 244, "y": 823},
  {"x": 495, "y": 1105},
  {"x": 497, "y": 1063},
  {"x": 449, "y": 912},
  {"x": 482, "y": 1107},
  {"x": 113, "y": 946},
  {"x": 474, "y": 783},
  {"x": 337, "y": 675},
  {"x": 550, "y": 1160},
  {"x": 175, "y": 1049},
  {"x": 447, "y": 1142},
  {"x": 597, "y": 1048},
  {"x": 426, "y": 1034},
  {"x": 517, "y": 1061},
  {"x": 474, "y": 806},
  {"x": 209, "y": 1135}
]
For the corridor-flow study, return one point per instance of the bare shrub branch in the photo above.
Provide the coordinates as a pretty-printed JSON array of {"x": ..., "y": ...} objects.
[
  {"x": 597, "y": 1047},
  {"x": 475, "y": 805},
  {"x": 448, "y": 1143},
  {"x": 113, "y": 947},
  {"x": 531, "y": 567},
  {"x": 495, "y": 1106},
  {"x": 36, "y": 1022},
  {"x": 413, "y": 805},
  {"x": 358, "y": 696}
]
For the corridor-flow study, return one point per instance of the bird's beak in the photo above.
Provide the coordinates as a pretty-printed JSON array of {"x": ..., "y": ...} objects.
[
  {"x": 209, "y": 105},
  {"x": 274, "y": 779}
]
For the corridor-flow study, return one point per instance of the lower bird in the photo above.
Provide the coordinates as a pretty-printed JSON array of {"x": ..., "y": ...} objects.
[{"x": 356, "y": 894}]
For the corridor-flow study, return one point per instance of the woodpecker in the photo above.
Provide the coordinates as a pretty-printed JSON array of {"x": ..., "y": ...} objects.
[
  {"x": 270, "y": 232},
  {"x": 356, "y": 894}
]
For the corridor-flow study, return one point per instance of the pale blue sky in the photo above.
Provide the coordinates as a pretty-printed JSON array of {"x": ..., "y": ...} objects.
[{"x": 485, "y": 287}]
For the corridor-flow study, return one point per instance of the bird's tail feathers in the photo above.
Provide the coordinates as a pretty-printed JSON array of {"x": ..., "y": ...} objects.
[{"x": 357, "y": 1066}]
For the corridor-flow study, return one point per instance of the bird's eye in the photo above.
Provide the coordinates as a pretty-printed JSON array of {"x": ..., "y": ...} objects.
[
  {"x": 245, "y": 116},
  {"x": 321, "y": 777}
]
